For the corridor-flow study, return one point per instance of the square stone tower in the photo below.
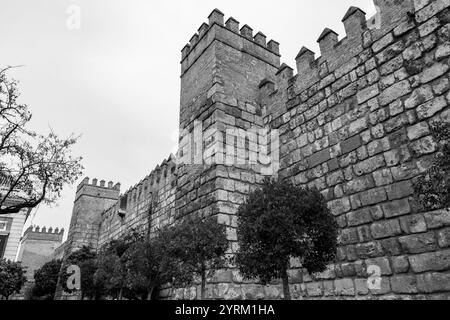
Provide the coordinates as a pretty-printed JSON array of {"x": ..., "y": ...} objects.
[
  {"x": 91, "y": 200},
  {"x": 37, "y": 247},
  {"x": 221, "y": 70},
  {"x": 223, "y": 151}
]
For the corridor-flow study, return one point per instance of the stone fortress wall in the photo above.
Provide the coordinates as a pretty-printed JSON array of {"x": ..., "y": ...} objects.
[
  {"x": 37, "y": 247},
  {"x": 353, "y": 122}
]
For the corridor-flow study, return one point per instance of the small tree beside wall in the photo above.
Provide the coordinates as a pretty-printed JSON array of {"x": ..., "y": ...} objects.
[
  {"x": 282, "y": 221},
  {"x": 432, "y": 189},
  {"x": 200, "y": 244}
]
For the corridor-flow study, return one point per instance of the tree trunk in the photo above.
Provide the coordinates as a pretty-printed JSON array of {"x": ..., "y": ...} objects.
[
  {"x": 286, "y": 290},
  {"x": 120, "y": 293},
  {"x": 203, "y": 287},
  {"x": 150, "y": 293}
]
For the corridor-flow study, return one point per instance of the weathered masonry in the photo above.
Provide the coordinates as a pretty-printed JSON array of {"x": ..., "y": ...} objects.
[{"x": 354, "y": 122}]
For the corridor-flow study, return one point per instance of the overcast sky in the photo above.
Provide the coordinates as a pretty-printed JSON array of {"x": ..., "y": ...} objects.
[{"x": 115, "y": 80}]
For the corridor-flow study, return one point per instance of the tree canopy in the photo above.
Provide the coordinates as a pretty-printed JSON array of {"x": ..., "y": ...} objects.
[
  {"x": 34, "y": 167},
  {"x": 280, "y": 221},
  {"x": 201, "y": 245},
  {"x": 46, "y": 279},
  {"x": 432, "y": 189},
  {"x": 12, "y": 278},
  {"x": 110, "y": 274}
]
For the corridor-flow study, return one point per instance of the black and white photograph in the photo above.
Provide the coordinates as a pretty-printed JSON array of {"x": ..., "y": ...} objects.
[{"x": 224, "y": 157}]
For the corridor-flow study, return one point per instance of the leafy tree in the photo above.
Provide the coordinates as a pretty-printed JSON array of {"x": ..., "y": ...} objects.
[
  {"x": 46, "y": 279},
  {"x": 432, "y": 189},
  {"x": 85, "y": 259},
  {"x": 110, "y": 273},
  {"x": 33, "y": 167},
  {"x": 142, "y": 269},
  {"x": 150, "y": 264},
  {"x": 280, "y": 221},
  {"x": 201, "y": 245},
  {"x": 12, "y": 278}
]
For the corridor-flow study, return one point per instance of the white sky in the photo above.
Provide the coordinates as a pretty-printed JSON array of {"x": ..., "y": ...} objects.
[{"x": 115, "y": 81}]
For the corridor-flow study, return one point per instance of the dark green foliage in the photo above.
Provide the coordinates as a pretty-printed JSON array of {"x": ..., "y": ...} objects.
[
  {"x": 280, "y": 221},
  {"x": 201, "y": 245},
  {"x": 110, "y": 274},
  {"x": 12, "y": 278},
  {"x": 432, "y": 189},
  {"x": 149, "y": 264},
  {"x": 46, "y": 279}
]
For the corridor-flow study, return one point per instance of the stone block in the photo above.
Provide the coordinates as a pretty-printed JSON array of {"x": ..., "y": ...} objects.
[
  {"x": 319, "y": 158},
  {"x": 434, "y": 72},
  {"x": 351, "y": 144},
  {"x": 369, "y": 250},
  {"x": 361, "y": 288},
  {"x": 400, "y": 264},
  {"x": 339, "y": 206},
  {"x": 348, "y": 236},
  {"x": 383, "y": 177},
  {"x": 394, "y": 92},
  {"x": 314, "y": 289},
  {"x": 359, "y": 217},
  {"x": 344, "y": 287},
  {"x": 382, "y": 263},
  {"x": 373, "y": 196},
  {"x": 418, "y": 130},
  {"x": 385, "y": 229},
  {"x": 348, "y": 269},
  {"x": 367, "y": 93},
  {"x": 396, "y": 208},
  {"x": 358, "y": 184},
  {"x": 424, "y": 146},
  {"x": 431, "y": 261},
  {"x": 384, "y": 288},
  {"x": 369, "y": 165},
  {"x": 413, "y": 224},
  {"x": 433, "y": 282},
  {"x": 391, "y": 246},
  {"x": 399, "y": 190},
  {"x": 444, "y": 238},
  {"x": 437, "y": 219},
  {"x": 418, "y": 243},
  {"x": 430, "y": 108},
  {"x": 404, "y": 284}
]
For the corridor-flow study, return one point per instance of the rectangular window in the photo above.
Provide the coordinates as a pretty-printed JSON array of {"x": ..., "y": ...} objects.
[
  {"x": 4, "y": 226},
  {"x": 3, "y": 241}
]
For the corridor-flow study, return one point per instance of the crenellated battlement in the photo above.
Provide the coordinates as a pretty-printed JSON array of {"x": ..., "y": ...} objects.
[
  {"x": 43, "y": 230},
  {"x": 361, "y": 35},
  {"x": 43, "y": 234},
  {"x": 229, "y": 32},
  {"x": 101, "y": 184},
  {"x": 99, "y": 189},
  {"x": 164, "y": 174}
]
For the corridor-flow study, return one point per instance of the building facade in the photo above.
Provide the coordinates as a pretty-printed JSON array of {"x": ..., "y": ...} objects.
[
  {"x": 11, "y": 227},
  {"x": 354, "y": 122}
]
